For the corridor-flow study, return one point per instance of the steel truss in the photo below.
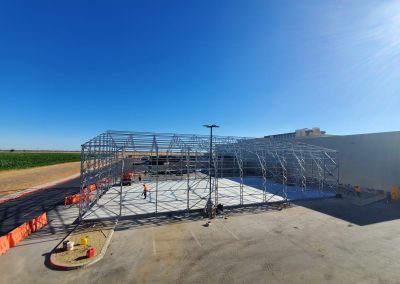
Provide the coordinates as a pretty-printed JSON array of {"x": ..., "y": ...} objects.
[{"x": 292, "y": 165}]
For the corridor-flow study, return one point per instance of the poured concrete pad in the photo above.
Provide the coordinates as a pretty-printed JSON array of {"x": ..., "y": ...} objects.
[
  {"x": 173, "y": 196},
  {"x": 317, "y": 241}
]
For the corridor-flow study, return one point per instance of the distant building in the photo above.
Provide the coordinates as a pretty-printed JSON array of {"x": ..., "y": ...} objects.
[{"x": 299, "y": 133}]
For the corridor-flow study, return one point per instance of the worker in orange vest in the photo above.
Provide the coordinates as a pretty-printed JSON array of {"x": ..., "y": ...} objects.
[
  {"x": 358, "y": 191},
  {"x": 144, "y": 191}
]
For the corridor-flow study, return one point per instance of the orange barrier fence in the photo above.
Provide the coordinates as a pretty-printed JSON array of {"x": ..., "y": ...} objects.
[
  {"x": 74, "y": 199},
  {"x": 4, "y": 244},
  {"x": 21, "y": 232},
  {"x": 38, "y": 222},
  {"x": 18, "y": 234}
]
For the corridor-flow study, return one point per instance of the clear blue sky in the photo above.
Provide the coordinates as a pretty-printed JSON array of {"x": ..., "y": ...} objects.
[{"x": 70, "y": 70}]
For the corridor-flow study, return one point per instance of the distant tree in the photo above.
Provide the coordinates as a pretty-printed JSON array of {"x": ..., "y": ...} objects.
[{"x": 12, "y": 150}]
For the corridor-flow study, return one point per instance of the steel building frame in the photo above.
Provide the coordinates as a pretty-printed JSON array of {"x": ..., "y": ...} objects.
[{"x": 293, "y": 165}]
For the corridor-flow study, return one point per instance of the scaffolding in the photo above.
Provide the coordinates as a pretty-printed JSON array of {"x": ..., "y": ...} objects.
[{"x": 243, "y": 170}]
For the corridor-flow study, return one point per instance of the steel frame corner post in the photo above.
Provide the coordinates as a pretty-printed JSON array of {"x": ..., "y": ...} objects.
[
  {"x": 239, "y": 159},
  {"x": 154, "y": 146},
  {"x": 215, "y": 180},
  {"x": 262, "y": 163},
  {"x": 195, "y": 165},
  {"x": 324, "y": 181},
  {"x": 122, "y": 177},
  {"x": 331, "y": 171},
  {"x": 319, "y": 170},
  {"x": 283, "y": 171},
  {"x": 221, "y": 174},
  {"x": 300, "y": 169},
  {"x": 188, "y": 178},
  {"x": 209, "y": 165},
  {"x": 181, "y": 162},
  {"x": 82, "y": 182},
  {"x": 338, "y": 172}
]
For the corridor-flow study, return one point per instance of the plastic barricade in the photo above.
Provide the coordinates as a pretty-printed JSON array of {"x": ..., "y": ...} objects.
[
  {"x": 4, "y": 244},
  {"x": 18, "y": 234},
  {"x": 38, "y": 222},
  {"x": 72, "y": 199}
]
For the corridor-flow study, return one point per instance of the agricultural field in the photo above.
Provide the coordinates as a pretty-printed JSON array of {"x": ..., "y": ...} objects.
[{"x": 23, "y": 160}]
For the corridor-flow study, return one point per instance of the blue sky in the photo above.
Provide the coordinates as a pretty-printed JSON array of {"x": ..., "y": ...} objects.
[{"x": 72, "y": 69}]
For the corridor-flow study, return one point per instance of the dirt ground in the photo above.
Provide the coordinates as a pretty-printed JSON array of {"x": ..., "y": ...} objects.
[
  {"x": 16, "y": 180},
  {"x": 97, "y": 238}
]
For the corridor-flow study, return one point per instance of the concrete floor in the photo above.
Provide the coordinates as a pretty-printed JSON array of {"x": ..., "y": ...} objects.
[
  {"x": 172, "y": 196},
  {"x": 295, "y": 245}
]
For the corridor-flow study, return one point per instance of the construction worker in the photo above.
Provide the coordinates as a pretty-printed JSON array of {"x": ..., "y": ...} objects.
[
  {"x": 358, "y": 190},
  {"x": 394, "y": 193},
  {"x": 145, "y": 190}
]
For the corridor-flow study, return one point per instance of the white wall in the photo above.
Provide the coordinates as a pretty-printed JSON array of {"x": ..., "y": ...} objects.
[{"x": 367, "y": 160}]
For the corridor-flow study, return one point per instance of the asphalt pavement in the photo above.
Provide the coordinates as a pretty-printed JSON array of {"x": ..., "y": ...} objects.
[{"x": 15, "y": 212}]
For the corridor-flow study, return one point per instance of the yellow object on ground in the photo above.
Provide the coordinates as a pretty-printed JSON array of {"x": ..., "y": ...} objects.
[
  {"x": 84, "y": 241},
  {"x": 394, "y": 192}
]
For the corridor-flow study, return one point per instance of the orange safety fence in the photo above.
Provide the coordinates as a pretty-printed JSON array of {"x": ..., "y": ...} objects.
[
  {"x": 38, "y": 222},
  {"x": 21, "y": 232},
  {"x": 18, "y": 234},
  {"x": 74, "y": 199},
  {"x": 4, "y": 244}
]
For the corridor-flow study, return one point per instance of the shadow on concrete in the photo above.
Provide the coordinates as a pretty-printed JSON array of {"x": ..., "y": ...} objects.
[
  {"x": 61, "y": 221},
  {"x": 18, "y": 211},
  {"x": 153, "y": 220},
  {"x": 360, "y": 215}
]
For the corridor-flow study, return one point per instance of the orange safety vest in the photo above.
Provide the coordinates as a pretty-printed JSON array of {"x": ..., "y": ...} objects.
[
  {"x": 145, "y": 188},
  {"x": 358, "y": 189}
]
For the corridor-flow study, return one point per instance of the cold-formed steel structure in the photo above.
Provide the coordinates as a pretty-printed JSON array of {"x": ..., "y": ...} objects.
[{"x": 243, "y": 170}]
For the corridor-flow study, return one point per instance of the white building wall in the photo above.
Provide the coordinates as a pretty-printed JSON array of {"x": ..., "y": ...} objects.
[{"x": 367, "y": 160}]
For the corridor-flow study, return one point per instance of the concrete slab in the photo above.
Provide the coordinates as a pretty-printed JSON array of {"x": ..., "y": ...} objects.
[
  {"x": 296, "y": 245},
  {"x": 172, "y": 196}
]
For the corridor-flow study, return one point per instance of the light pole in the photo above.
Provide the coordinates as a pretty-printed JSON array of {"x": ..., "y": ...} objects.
[{"x": 209, "y": 206}]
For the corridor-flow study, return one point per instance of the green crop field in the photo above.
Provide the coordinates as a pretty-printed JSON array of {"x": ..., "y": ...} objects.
[{"x": 23, "y": 160}]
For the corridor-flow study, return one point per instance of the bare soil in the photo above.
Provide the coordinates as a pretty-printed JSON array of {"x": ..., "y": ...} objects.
[
  {"x": 97, "y": 237},
  {"x": 13, "y": 181}
]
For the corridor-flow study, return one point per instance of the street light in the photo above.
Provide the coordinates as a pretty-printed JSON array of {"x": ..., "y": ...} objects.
[{"x": 209, "y": 205}]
